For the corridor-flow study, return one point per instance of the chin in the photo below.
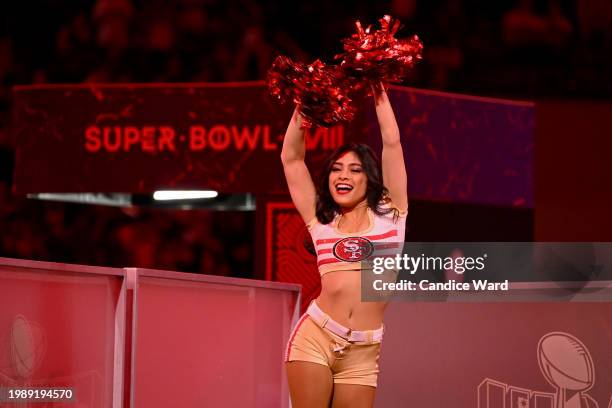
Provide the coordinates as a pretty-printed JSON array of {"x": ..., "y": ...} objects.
[{"x": 346, "y": 202}]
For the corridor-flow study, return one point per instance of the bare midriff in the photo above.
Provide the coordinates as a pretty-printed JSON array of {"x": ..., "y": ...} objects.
[{"x": 340, "y": 298}]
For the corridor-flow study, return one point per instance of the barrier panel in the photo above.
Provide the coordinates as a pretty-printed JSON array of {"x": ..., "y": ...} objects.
[
  {"x": 498, "y": 355},
  {"x": 209, "y": 341},
  {"x": 62, "y": 327},
  {"x": 141, "y": 338}
]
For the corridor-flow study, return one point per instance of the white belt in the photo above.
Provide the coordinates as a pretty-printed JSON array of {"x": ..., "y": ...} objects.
[{"x": 353, "y": 336}]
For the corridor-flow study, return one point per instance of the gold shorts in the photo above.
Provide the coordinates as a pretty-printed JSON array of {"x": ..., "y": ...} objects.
[{"x": 349, "y": 362}]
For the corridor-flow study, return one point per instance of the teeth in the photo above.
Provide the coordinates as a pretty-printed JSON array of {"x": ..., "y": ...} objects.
[{"x": 343, "y": 186}]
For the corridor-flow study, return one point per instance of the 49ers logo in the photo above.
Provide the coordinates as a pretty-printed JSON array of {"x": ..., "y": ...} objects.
[{"x": 353, "y": 249}]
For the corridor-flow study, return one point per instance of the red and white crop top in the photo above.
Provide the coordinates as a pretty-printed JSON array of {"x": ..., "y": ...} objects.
[{"x": 339, "y": 251}]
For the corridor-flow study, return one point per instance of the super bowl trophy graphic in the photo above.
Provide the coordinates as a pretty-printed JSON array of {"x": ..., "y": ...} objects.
[
  {"x": 23, "y": 350},
  {"x": 24, "y": 347},
  {"x": 567, "y": 365}
]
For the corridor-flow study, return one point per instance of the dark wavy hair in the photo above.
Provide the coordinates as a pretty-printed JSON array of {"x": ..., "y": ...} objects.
[{"x": 376, "y": 192}]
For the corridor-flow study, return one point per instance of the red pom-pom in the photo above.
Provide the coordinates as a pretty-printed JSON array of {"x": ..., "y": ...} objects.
[
  {"x": 317, "y": 90},
  {"x": 321, "y": 92},
  {"x": 372, "y": 57},
  {"x": 281, "y": 76}
]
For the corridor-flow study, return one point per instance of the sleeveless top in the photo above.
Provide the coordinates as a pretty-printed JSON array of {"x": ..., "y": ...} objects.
[{"x": 339, "y": 251}]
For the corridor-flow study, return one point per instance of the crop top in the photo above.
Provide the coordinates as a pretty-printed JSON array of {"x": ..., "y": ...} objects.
[{"x": 339, "y": 251}]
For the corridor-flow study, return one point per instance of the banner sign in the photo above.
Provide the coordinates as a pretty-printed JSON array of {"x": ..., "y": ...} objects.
[
  {"x": 138, "y": 138},
  {"x": 141, "y": 138}
]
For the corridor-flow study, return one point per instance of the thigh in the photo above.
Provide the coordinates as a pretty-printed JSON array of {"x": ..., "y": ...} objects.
[
  {"x": 353, "y": 396},
  {"x": 310, "y": 384}
]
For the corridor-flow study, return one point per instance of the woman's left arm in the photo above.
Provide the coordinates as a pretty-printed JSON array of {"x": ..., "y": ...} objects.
[{"x": 393, "y": 167}]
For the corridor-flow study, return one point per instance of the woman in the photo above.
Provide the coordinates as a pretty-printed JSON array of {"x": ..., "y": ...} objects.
[{"x": 333, "y": 351}]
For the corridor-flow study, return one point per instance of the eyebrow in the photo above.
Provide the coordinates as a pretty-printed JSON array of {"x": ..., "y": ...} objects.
[{"x": 350, "y": 164}]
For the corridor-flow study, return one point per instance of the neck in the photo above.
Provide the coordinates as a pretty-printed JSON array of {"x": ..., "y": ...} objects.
[{"x": 356, "y": 212}]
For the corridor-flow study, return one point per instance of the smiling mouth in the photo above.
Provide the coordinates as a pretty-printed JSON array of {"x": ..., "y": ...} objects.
[{"x": 343, "y": 188}]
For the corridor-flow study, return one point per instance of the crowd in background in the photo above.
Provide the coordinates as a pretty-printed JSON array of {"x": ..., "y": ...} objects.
[{"x": 514, "y": 48}]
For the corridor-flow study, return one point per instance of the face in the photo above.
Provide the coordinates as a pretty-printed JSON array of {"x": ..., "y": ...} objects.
[{"x": 348, "y": 181}]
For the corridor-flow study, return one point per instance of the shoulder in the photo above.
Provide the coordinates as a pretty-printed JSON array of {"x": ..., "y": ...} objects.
[
  {"x": 315, "y": 224},
  {"x": 312, "y": 224}
]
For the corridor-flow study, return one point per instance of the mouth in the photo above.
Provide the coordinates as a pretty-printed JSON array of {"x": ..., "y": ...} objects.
[{"x": 343, "y": 188}]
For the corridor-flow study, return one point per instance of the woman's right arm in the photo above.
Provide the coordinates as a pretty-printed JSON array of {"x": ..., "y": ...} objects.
[{"x": 300, "y": 183}]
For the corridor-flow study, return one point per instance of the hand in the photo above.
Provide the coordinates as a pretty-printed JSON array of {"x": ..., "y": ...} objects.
[
  {"x": 379, "y": 93},
  {"x": 297, "y": 117}
]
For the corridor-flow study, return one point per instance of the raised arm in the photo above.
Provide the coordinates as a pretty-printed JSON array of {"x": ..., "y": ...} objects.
[
  {"x": 300, "y": 184},
  {"x": 393, "y": 167}
]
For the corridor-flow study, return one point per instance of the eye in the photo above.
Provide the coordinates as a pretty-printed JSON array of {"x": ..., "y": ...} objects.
[
  {"x": 335, "y": 169},
  {"x": 356, "y": 170}
]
